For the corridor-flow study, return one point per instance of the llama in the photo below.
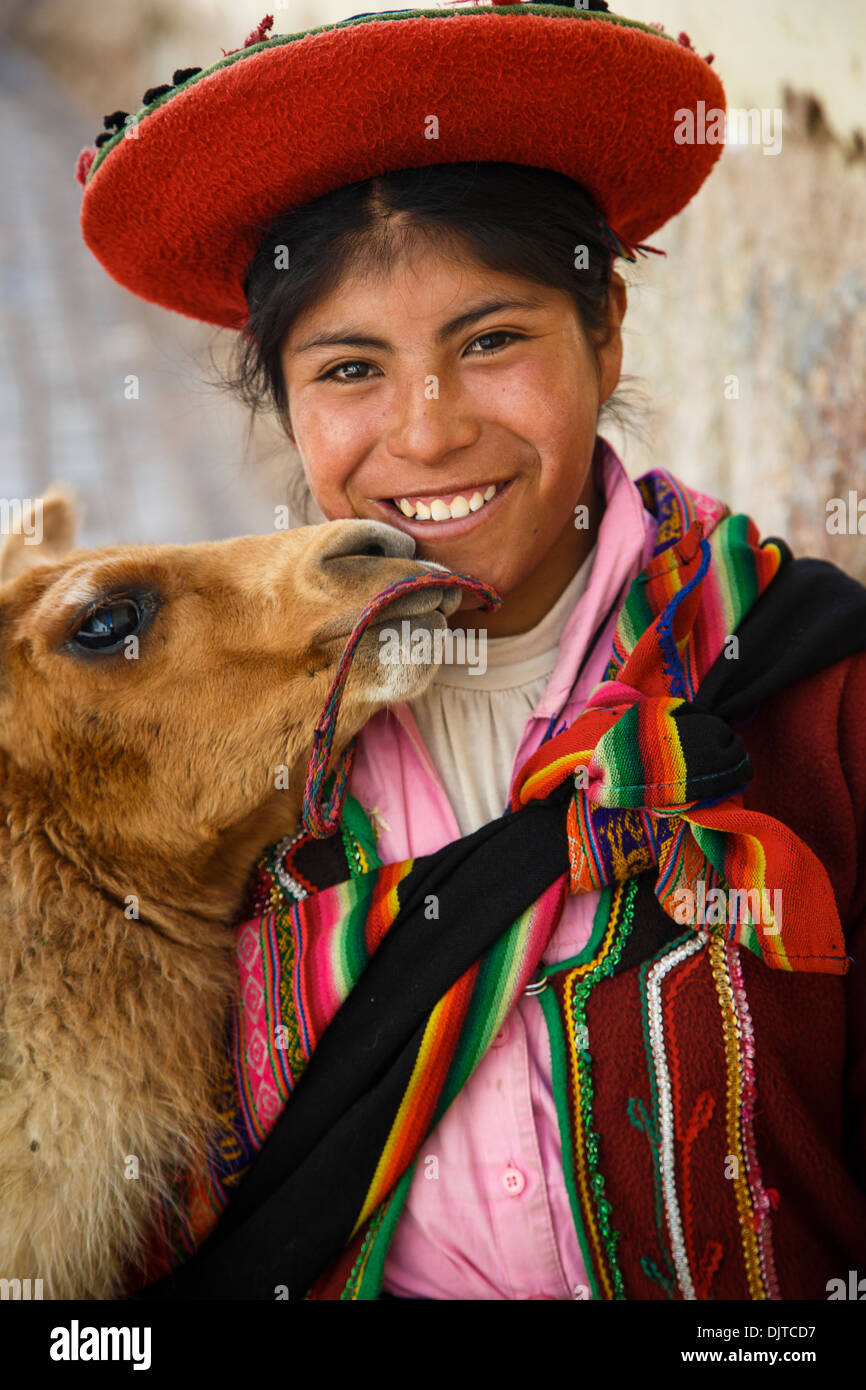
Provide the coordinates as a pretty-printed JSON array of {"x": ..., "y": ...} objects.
[{"x": 157, "y": 706}]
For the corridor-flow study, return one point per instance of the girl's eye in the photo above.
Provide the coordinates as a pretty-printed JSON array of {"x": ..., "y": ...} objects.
[
  {"x": 342, "y": 367},
  {"x": 498, "y": 333},
  {"x": 502, "y": 335}
]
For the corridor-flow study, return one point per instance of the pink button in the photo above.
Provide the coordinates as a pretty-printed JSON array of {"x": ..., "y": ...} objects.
[
  {"x": 502, "y": 1036},
  {"x": 513, "y": 1181}
]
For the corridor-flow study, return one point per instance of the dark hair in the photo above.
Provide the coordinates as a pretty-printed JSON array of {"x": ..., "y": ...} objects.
[{"x": 510, "y": 217}]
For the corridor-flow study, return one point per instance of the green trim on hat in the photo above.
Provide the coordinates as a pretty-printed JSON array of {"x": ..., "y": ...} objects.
[{"x": 551, "y": 11}]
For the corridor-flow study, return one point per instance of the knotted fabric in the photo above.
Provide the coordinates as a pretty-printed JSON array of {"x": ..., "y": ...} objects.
[
  {"x": 658, "y": 780},
  {"x": 361, "y": 1012}
]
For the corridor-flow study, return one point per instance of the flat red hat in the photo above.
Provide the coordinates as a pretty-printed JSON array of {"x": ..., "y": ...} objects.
[{"x": 176, "y": 201}]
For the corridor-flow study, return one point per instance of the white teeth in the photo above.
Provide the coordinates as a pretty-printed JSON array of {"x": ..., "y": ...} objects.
[{"x": 439, "y": 510}]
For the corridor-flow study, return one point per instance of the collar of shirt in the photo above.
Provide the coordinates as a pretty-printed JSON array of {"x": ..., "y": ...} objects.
[
  {"x": 624, "y": 545},
  {"x": 626, "y": 538},
  {"x": 509, "y": 662}
]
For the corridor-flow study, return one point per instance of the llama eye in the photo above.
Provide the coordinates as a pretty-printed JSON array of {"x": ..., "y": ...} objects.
[{"x": 108, "y": 625}]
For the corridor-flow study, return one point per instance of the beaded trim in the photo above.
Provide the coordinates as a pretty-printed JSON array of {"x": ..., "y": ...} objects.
[
  {"x": 666, "y": 1155},
  {"x": 705, "y": 1264},
  {"x": 353, "y": 1283},
  {"x": 578, "y": 985},
  {"x": 358, "y": 861},
  {"x": 752, "y": 1201},
  {"x": 647, "y": 1122},
  {"x": 291, "y": 885},
  {"x": 764, "y": 1199}
]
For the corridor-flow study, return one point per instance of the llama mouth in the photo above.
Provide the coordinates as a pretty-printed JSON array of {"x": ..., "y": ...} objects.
[
  {"x": 425, "y": 604},
  {"x": 438, "y": 601}
]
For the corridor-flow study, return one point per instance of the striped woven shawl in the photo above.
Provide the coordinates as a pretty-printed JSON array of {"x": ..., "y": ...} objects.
[{"x": 363, "y": 1009}]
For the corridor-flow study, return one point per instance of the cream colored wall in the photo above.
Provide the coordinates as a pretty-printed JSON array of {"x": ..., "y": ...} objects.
[
  {"x": 765, "y": 280},
  {"x": 762, "y": 44}
]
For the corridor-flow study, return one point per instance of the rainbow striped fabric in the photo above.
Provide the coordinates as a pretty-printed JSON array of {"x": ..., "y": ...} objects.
[
  {"x": 658, "y": 779},
  {"x": 360, "y": 1016},
  {"x": 295, "y": 967}
]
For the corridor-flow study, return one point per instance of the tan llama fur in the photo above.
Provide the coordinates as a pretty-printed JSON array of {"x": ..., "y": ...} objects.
[{"x": 137, "y": 791}]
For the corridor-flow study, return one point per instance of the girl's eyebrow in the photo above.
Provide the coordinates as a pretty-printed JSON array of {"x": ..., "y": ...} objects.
[{"x": 348, "y": 337}]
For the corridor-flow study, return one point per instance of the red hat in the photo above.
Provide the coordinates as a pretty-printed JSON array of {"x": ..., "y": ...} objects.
[{"x": 177, "y": 197}]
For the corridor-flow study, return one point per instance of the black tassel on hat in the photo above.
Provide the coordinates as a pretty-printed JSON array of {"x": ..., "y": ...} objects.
[
  {"x": 178, "y": 76},
  {"x": 117, "y": 119},
  {"x": 153, "y": 92},
  {"x": 113, "y": 123}
]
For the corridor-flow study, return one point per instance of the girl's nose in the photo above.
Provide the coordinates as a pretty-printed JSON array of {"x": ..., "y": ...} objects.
[{"x": 426, "y": 427}]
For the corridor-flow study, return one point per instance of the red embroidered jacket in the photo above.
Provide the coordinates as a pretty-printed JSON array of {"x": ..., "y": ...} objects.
[{"x": 730, "y": 1132}]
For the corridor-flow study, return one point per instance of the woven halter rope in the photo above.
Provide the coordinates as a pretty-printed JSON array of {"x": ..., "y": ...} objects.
[{"x": 322, "y": 815}]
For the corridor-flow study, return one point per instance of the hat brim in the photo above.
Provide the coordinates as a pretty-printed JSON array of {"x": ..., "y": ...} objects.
[{"x": 175, "y": 205}]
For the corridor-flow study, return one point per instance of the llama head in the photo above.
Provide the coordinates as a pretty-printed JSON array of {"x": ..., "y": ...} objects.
[{"x": 157, "y": 703}]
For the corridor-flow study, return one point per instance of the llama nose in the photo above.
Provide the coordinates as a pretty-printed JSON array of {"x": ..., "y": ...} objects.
[{"x": 368, "y": 539}]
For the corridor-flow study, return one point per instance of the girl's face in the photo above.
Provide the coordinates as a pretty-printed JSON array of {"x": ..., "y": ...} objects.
[{"x": 459, "y": 404}]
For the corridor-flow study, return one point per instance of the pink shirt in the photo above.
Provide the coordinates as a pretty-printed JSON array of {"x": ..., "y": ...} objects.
[{"x": 488, "y": 1214}]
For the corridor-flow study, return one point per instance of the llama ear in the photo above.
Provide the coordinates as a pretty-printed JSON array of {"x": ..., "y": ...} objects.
[{"x": 37, "y": 531}]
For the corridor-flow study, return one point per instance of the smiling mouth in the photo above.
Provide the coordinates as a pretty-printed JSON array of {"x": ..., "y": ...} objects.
[{"x": 446, "y": 506}]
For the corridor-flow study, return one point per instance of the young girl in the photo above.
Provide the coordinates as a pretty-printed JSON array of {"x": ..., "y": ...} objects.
[{"x": 585, "y": 1019}]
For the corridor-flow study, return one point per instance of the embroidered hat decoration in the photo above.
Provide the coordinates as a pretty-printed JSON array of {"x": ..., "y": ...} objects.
[{"x": 177, "y": 195}]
